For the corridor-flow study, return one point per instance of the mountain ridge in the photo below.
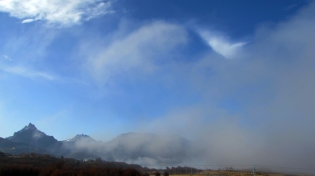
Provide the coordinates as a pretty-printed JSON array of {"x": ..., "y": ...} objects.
[
  {"x": 133, "y": 147},
  {"x": 79, "y": 137},
  {"x": 31, "y": 135}
]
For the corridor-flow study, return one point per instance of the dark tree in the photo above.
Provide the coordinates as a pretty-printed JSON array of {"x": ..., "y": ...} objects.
[{"x": 131, "y": 172}]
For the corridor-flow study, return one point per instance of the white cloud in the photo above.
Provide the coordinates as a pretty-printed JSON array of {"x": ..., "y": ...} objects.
[
  {"x": 138, "y": 53},
  {"x": 28, "y": 20},
  {"x": 25, "y": 72},
  {"x": 59, "y": 12},
  {"x": 221, "y": 45}
]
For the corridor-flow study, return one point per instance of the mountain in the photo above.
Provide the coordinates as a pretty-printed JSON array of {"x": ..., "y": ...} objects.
[
  {"x": 4, "y": 143},
  {"x": 81, "y": 147},
  {"x": 140, "y": 148},
  {"x": 8, "y": 146},
  {"x": 81, "y": 143},
  {"x": 79, "y": 138},
  {"x": 32, "y": 136}
]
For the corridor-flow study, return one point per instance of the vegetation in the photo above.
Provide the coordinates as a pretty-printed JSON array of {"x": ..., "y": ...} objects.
[{"x": 46, "y": 165}]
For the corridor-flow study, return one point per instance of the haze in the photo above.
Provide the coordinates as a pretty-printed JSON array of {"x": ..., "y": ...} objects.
[{"x": 236, "y": 78}]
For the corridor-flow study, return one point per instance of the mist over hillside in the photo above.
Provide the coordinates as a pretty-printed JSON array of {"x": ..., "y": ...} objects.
[{"x": 140, "y": 148}]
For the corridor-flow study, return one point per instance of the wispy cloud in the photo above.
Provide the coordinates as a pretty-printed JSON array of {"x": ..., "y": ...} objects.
[
  {"x": 221, "y": 45},
  {"x": 62, "y": 13},
  {"x": 6, "y": 57},
  {"x": 136, "y": 54},
  {"x": 26, "y": 72}
]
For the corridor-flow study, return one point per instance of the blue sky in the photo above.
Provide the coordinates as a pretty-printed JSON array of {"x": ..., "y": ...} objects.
[{"x": 232, "y": 72}]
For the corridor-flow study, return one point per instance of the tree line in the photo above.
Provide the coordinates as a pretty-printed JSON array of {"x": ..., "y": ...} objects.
[{"x": 47, "y": 165}]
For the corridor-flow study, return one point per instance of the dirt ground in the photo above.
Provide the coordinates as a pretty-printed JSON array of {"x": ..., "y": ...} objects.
[{"x": 231, "y": 173}]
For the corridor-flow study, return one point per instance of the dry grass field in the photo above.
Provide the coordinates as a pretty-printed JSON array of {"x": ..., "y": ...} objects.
[{"x": 231, "y": 173}]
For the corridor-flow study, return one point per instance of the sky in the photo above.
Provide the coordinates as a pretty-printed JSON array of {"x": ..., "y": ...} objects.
[{"x": 236, "y": 76}]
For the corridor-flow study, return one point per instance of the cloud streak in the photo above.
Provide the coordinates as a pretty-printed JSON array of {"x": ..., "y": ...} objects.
[
  {"x": 221, "y": 45},
  {"x": 28, "y": 73},
  {"x": 56, "y": 12}
]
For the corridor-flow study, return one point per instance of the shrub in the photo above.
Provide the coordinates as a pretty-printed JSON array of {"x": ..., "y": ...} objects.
[{"x": 131, "y": 172}]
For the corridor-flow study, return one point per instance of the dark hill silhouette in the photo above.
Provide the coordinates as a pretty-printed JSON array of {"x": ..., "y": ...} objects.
[
  {"x": 31, "y": 135},
  {"x": 4, "y": 143}
]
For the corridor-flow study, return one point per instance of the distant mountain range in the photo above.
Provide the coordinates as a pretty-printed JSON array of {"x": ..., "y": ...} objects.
[{"x": 141, "y": 148}]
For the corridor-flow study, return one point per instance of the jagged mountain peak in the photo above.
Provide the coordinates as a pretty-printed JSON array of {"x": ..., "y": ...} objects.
[
  {"x": 80, "y": 137},
  {"x": 31, "y": 135},
  {"x": 30, "y": 127}
]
